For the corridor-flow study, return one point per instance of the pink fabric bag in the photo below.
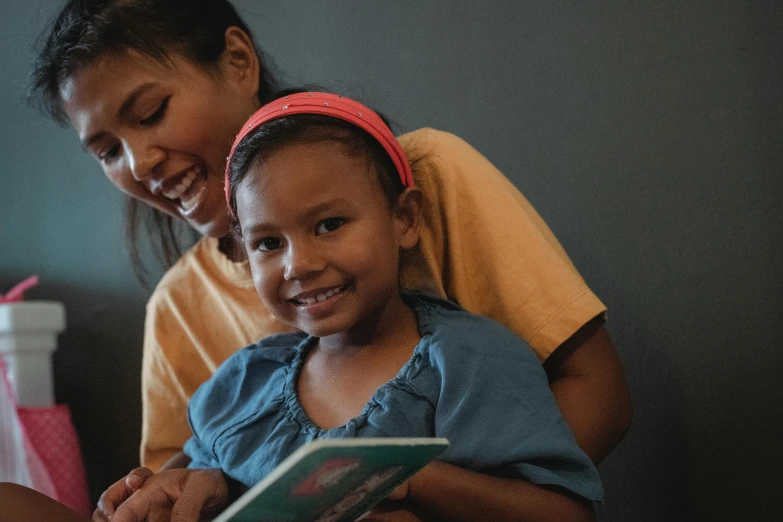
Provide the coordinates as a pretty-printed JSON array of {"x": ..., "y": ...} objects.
[
  {"x": 20, "y": 463},
  {"x": 54, "y": 438},
  {"x": 39, "y": 447}
]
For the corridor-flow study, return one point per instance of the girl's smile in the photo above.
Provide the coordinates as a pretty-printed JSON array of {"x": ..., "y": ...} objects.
[{"x": 321, "y": 302}]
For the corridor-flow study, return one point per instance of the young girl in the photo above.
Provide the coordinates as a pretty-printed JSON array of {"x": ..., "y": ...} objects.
[{"x": 323, "y": 199}]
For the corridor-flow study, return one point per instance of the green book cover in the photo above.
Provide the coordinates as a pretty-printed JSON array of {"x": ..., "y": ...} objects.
[{"x": 333, "y": 480}]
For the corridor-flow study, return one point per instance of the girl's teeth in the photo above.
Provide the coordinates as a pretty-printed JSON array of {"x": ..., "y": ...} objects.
[{"x": 320, "y": 297}]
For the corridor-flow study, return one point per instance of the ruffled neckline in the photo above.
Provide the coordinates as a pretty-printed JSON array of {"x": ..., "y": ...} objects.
[{"x": 296, "y": 412}]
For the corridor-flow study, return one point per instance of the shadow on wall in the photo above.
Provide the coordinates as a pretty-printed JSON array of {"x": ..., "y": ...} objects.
[
  {"x": 98, "y": 356},
  {"x": 657, "y": 444}
]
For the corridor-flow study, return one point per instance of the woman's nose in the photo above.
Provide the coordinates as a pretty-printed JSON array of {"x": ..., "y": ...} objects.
[
  {"x": 303, "y": 261},
  {"x": 143, "y": 158}
]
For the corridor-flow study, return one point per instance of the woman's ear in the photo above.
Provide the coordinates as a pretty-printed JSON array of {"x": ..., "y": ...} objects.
[
  {"x": 239, "y": 62},
  {"x": 410, "y": 205}
]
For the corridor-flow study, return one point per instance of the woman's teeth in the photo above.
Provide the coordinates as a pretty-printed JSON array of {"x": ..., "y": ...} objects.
[
  {"x": 183, "y": 185},
  {"x": 321, "y": 297},
  {"x": 194, "y": 200}
]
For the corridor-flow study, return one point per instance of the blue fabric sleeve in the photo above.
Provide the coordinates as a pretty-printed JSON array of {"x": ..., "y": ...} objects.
[
  {"x": 496, "y": 408},
  {"x": 201, "y": 458}
]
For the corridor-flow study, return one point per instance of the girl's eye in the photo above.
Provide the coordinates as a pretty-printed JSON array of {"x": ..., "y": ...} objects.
[
  {"x": 156, "y": 116},
  {"x": 268, "y": 243},
  {"x": 329, "y": 225}
]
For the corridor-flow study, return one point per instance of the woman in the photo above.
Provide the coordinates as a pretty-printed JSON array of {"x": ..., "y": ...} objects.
[{"x": 157, "y": 89}]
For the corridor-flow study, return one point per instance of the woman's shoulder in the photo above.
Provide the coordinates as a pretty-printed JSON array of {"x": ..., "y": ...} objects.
[
  {"x": 451, "y": 171},
  {"x": 429, "y": 143},
  {"x": 201, "y": 268}
]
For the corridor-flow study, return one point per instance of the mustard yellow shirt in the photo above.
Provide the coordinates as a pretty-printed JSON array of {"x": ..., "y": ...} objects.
[{"x": 482, "y": 245}]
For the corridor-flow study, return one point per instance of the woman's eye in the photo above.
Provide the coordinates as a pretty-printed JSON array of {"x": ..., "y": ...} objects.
[
  {"x": 268, "y": 243},
  {"x": 329, "y": 225},
  {"x": 156, "y": 116},
  {"x": 109, "y": 154}
]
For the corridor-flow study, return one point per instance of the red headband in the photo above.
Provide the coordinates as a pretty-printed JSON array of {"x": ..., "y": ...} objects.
[{"x": 329, "y": 105}]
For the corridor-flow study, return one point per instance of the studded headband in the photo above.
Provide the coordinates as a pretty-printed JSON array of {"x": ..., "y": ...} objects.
[{"x": 330, "y": 105}]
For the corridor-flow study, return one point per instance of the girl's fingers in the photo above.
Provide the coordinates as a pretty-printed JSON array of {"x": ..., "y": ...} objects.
[
  {"x": 144, "y": 506},
  {"x": 204, "y": 490},
  {"x": 119, "y": 492},
  {"x": 99, "y": 516},
  {"x": 136, "y": 478},
  {"x": 400, "y": 492}
]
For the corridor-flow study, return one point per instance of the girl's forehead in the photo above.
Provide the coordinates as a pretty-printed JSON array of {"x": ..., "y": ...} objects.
[{"x": 303, "y": 172}]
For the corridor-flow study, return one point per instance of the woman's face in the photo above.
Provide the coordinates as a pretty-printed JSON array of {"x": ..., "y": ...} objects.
[{"x": 162, "y": 132}]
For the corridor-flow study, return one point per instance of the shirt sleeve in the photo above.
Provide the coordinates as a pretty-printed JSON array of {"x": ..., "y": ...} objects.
[
  {"x": 484, "y": 246},
  {"x": 200, "y": 456},
  {"x": 495, "y": 407},
  {"x": 164, "y": 402}
]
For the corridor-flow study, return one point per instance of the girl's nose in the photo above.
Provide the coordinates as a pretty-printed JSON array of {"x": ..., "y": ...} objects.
[
  {"x": 143, "y": 158},
  {"x": 303, "y": 261}
]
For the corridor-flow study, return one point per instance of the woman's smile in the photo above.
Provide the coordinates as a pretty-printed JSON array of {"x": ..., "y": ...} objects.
[{"x": 187, "y": 189}]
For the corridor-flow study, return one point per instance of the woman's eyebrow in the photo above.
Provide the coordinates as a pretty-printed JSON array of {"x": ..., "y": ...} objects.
[{"x": 123, "y": 113}]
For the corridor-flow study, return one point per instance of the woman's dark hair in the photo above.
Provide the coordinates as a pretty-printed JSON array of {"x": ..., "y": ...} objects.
[
  {"x": 85, "y": 30},
  {"x": 273, "y": 136}
]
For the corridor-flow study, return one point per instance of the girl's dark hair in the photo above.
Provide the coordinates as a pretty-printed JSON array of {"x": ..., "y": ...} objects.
[
  {"x": 273, "y": 136},
  {"x": 85, "y": 30}
]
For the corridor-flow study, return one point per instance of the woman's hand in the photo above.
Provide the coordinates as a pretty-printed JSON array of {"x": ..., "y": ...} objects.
[
  {"x": 179, "y": 495},
  {"x": 118, "y": 493}
]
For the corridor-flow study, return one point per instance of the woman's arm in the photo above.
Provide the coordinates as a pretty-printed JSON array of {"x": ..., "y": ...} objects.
[
  {"x": 587, "y": 379},
  {"x": 455, "y": 494},
  {"x": 491, "y": 252}
]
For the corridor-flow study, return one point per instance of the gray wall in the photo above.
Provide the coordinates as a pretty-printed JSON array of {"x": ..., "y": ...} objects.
[{"x": 649, "y": 136}]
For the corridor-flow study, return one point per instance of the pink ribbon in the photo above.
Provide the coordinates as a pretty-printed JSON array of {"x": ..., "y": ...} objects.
[{"x": 16, "y": 294}]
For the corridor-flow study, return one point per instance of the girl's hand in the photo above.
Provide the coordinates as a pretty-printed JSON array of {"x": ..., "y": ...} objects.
[
  {"x": 400, "y": 492},
  {"x": 118, "y": 493},
  {"x": 179, "y": 495}
]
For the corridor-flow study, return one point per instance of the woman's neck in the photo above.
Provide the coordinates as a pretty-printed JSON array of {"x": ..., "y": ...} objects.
[{"x": 232, "y": 249}]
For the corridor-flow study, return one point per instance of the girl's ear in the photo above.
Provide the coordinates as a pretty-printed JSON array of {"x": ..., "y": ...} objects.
[
  {"x": 239, "y": 62},
  {"x": 410, "y": 205}
]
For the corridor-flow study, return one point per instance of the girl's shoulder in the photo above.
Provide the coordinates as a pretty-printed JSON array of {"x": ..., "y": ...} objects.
[
  {"x": 451, "y": 333},
  {"x": 251, "y": 377}
]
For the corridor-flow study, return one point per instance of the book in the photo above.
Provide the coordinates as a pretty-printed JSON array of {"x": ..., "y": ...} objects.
[{"x": 333, "y": 480}]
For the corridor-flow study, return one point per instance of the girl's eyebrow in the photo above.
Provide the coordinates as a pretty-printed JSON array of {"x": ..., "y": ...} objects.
[
  {"x": 326, "y": 205},
  {"x": 311, "y": 213},
  {"x": 123, "y": 113}
]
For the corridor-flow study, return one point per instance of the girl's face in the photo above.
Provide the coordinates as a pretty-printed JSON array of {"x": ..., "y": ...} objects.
[
  {"x": 322, "y": 240},
  {"x": 162, "y": 132}
]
